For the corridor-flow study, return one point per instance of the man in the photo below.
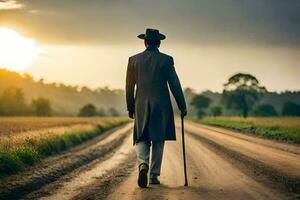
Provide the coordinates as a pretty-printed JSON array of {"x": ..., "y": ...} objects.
[{"x": 151, "y": 72}]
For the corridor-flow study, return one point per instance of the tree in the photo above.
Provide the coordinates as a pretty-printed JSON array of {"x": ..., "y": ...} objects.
[
  {"x": 13, "y": 102},
  {"x": 241, "y": 92},
  {"x": 41, "y": 107},
  {"x": 265, "y": 110},
  {"x": 88, "y": 110},
  {"x": 200, "y": 102},
  {"x": 216, "y": 111},
  {"x": 291, "y": 109},
  {"x": 113, "y": 112}
]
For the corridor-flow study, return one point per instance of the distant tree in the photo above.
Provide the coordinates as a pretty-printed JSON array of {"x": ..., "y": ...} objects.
[
  {"x": 216, "y": 111},
  {"x": 13, "y": 102},
  {"x": 85, "y": 89},
  {"x": 113, "y": 112},
  {"x": 241, "y": 92},
  {"x": 41, "y": 107},
  {"x": 189, "y": 93},
  {"x": 101, "y": 112},
  {"x": 28, "y": 77},
  {"x": 88, "y": 110},
  {"x": 265, "y": 110},
  {"x": 291, "y": 109},
  {"x": 42, "y": 80},
  {"x": 200, "y": 102}
]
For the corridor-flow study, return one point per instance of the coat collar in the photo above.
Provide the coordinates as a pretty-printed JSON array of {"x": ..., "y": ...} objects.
[{"x": 152, "y": 48}]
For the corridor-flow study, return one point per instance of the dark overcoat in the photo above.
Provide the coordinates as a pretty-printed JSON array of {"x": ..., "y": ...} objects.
[{"x": 151, "y": 72}]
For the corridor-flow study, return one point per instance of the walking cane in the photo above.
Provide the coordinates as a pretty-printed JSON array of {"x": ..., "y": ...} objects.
[{"x": 183, "y": 151}]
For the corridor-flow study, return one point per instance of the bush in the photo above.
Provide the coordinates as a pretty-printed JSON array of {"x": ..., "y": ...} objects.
[{"x": 88, "y": 110}]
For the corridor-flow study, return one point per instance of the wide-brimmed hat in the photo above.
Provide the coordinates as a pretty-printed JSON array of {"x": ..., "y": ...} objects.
[{"x": 152, "y": 34}]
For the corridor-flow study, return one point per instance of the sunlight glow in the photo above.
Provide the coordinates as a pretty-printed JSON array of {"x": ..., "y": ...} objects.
[
  {"x": 10, "y": 5},
  {"x": 16, "y": 51}
]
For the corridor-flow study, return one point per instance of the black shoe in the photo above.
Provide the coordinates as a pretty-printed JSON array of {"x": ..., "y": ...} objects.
[
  {"x": 143, "y": 177},
  {"x": 154, "y": 181}
]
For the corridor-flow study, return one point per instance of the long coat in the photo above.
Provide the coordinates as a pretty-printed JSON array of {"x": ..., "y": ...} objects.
[{"x": 151, "y": 72}]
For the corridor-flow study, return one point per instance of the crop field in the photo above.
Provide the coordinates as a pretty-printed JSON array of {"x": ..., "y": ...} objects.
[
  {"x": 13, "y": 125},
  {"x": 278, "y": 128},
  {"x": 25, "y": 141}
]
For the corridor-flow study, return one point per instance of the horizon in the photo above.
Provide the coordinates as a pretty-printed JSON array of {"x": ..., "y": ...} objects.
[{"x": 122, "y": 89}]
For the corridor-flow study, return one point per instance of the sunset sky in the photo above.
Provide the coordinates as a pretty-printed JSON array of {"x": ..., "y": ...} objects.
[{"x": 88, "y": 42}]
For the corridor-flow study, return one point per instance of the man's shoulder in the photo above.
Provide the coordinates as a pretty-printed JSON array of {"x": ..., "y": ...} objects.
[
  {"x": 161, "y": 55},
  {"x": 136, "y": 56},
  {"x": 166, "y": 56}
]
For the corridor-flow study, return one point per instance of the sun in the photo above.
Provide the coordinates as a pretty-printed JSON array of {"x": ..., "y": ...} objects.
[{"x": 17, "y": 51}]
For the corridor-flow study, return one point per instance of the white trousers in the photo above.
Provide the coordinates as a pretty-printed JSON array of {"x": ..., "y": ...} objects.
[{"x": 142, "y": 149}]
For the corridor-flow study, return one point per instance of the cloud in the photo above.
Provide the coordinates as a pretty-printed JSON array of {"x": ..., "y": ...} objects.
[
  {"x": 10, "y": 5},
  {"x": 205, "y": 22}
]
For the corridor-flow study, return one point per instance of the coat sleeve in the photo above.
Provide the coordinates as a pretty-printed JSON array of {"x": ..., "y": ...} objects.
[
  {"x": 175, "y": 85},
  {"x": 130, "y": 84}
]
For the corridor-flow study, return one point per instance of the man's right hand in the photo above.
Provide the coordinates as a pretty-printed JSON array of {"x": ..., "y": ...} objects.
[
  {"x": 131, "y": 115},
  {"x": 184, "y": 113}
]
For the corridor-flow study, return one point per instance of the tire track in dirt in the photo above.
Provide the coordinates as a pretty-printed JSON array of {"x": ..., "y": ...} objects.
[
  {"x": 260, "y": 161},
  {"x": 82, "y": 180},
  {"x": 220, "y": 167},
  {"x": 53, "y": 168},
  {"x": 105, "y": 185},
  {"x": 212, "y": 175}
]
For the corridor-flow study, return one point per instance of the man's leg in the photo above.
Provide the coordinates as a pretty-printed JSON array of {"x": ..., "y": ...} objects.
[
  {"x": 142, "y": 151},
  {"x": 156, "y": 159}
]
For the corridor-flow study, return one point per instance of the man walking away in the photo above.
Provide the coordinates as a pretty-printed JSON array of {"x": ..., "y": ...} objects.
[{"x": 150, "y": 106}]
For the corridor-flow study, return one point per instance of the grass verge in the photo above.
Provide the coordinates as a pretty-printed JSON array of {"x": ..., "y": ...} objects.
[
  {"x": 33, "y": 150},
  {"x": 278, "y": 128}
]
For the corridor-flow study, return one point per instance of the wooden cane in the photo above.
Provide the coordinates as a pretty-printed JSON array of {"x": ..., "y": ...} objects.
[{"x": 183, "y": 151}]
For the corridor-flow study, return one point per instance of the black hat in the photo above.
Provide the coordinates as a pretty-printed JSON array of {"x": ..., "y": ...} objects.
[{"x": 152, "y": 34}]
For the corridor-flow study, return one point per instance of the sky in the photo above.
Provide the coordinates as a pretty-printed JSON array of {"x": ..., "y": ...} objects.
[{"x": 88, "y": 42}]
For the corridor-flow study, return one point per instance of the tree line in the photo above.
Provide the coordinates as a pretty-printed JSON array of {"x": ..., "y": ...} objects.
[
  {"x": 66, "y": 100},
  {"x": 241, "y": 94},
  {"x": 13, "y": 103}
]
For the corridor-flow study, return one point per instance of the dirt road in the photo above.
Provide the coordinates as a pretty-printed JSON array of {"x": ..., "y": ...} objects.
[
  {"x": 221, "y": 165},
  {"x": 217, "y": 175}
]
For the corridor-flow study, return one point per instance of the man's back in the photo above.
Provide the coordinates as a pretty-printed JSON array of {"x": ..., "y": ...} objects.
[
  {"x": 151, "y": 72},
  {"x": 150, "y": 69}
]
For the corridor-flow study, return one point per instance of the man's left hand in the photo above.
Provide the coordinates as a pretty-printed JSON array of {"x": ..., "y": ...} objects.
[
  {"x": 131, "y": 115},
  {"x": 184, "y": 113}
]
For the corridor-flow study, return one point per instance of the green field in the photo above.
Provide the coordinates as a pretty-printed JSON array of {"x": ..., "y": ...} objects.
[
  {"x": 279, "y": 128},
  {"x": 25, "y": 148}
]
